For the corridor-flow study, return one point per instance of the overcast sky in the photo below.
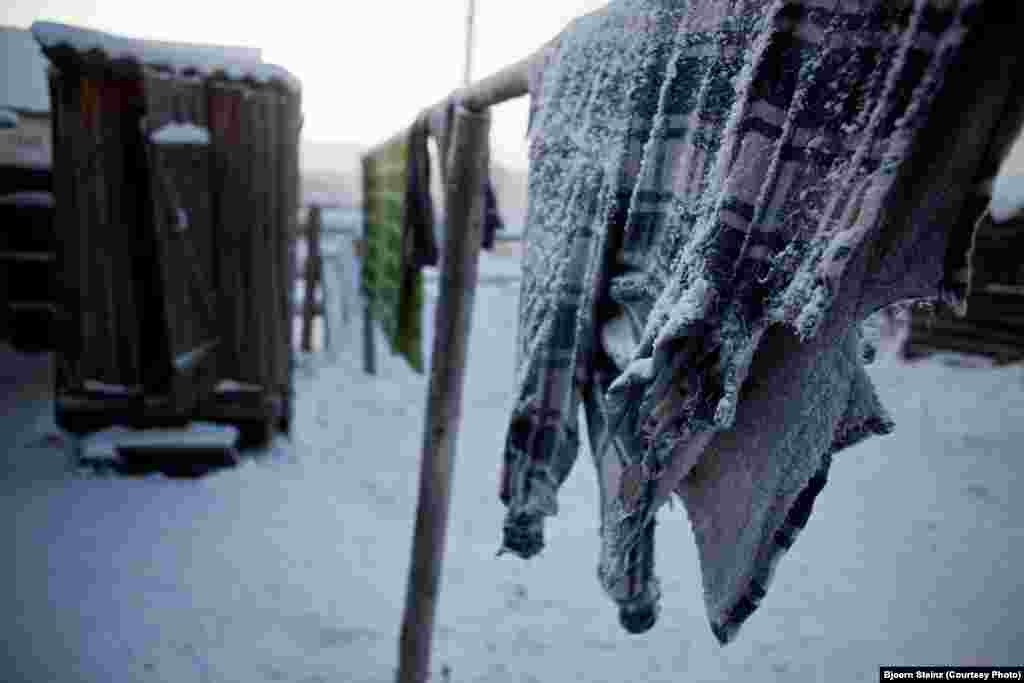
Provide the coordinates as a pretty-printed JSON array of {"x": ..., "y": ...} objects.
[{"x": 367, "y": 67}]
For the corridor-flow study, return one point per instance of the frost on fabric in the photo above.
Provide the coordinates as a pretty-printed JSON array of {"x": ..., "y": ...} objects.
[
  {"x": 180, "y": 134},
  {"x": 1007, "y": 198},
  {"x": 183, "y": 60},
  {"x": 749, "y": 162},
  {"x": 694, "y": 306}
]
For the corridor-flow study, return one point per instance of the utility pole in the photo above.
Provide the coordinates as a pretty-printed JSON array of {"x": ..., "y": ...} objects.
[{"x": 470, "y": 20}]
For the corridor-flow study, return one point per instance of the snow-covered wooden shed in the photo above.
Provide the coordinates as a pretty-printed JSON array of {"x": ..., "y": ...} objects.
[{"x": 176, "y": 178}]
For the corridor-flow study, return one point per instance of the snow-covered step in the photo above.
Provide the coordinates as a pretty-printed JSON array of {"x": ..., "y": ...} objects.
[{"x": 191, "y": 450}]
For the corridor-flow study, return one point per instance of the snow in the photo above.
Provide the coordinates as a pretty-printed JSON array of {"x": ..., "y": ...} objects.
[
  {"x": 292, "y": 566},
  {"x": 40, "y": 199},
  {"x": 342, "y": 219},
  {"x": 103, "y": 445},
  {"x": 235, "y": 63},
  {"x": 180, "y": 134},
  {"x": 1007, "y": 197}
]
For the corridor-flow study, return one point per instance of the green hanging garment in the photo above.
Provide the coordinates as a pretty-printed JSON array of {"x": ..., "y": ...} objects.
[{"x": 397, "y": 232}]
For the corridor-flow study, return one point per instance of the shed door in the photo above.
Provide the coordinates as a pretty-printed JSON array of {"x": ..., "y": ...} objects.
[{"x": 178, "y": 144}]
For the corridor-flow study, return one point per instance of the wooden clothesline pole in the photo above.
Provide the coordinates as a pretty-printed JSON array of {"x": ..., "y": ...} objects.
[
  {"x": 444, "y": 394},
  {"x": 465, "y": 169}
]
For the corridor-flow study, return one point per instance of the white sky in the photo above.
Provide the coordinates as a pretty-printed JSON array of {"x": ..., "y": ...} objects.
[{"x": 367, "y": 68}]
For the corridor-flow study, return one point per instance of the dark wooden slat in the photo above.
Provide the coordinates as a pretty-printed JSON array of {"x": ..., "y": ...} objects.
[
  {"x": 67, "y": 234},
  {"x": 89, "y": 267},
  {"x": 312, "y": 269},
  {"x": 232, "y": 213},
  {"x": 290, "y": 129},
  {"x": 255, "y": 279},
  {"x": 271, "y": 310},
  {"x": 369, "y": 342}
]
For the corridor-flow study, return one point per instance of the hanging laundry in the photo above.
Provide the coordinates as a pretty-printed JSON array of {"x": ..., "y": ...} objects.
[
  {"x": 719, "y": 194},
  {"x": 396, "y": 246},
  {"x": 401, "y": 236},
  {"x": 440, "y": 122}
]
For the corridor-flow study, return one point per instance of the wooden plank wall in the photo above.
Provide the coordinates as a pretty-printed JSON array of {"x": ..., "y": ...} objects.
[
  {"x": 290, "y": 125},
  {"x": 270, "y": 313},
  {"x": 68, "y": 240},
  {"x": 97, "y": 141},
  {"x": 255, "y": 151},
  {"x": 117, "y": 274},
  {"x": 231, "y": 173},
  {"x": 181, "y": 218}
]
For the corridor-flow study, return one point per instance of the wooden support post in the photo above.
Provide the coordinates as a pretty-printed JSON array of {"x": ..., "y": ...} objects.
[
  {"x": 369, "y": 350},
  {"x": 464, "y": 201},
  {"x": 311, "y": 276}
]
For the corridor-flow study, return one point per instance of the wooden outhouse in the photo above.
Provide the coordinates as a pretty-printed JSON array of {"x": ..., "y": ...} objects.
[{"x": 176, "y": 184}]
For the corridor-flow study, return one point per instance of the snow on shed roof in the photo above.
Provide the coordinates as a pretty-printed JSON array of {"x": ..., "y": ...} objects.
[
  {"x": 23, "y": 85},
  {"x": 236, "y": 63}
]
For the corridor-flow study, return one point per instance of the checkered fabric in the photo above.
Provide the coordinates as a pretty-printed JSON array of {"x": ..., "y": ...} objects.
[{"x": 706, "y": 171}]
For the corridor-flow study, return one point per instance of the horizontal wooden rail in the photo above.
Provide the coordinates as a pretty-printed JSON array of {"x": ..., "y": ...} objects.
[{"x": 501, "y": 86}]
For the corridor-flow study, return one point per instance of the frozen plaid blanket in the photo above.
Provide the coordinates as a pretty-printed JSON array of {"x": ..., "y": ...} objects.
[{"x": 731, "y": 187}]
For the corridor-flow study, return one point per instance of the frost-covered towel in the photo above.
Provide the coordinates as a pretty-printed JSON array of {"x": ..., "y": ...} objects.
[{"x": 720, "y": 191}]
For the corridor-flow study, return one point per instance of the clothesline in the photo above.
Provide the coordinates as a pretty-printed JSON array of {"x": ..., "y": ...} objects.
[
  {"x": 501, "y": 86},
  {"x": 461, "y": 124}
]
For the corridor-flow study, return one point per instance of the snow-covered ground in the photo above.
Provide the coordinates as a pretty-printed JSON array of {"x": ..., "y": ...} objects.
[{"x": 292, "y": 567}]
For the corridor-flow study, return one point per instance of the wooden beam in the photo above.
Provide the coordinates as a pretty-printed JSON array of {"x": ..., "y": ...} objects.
[
  {"x": 312, "y": 277},
  {"x": 506, "y": 84},
  {"x": 369, "y": 349},
  {"x": 444, "y": 395}
]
